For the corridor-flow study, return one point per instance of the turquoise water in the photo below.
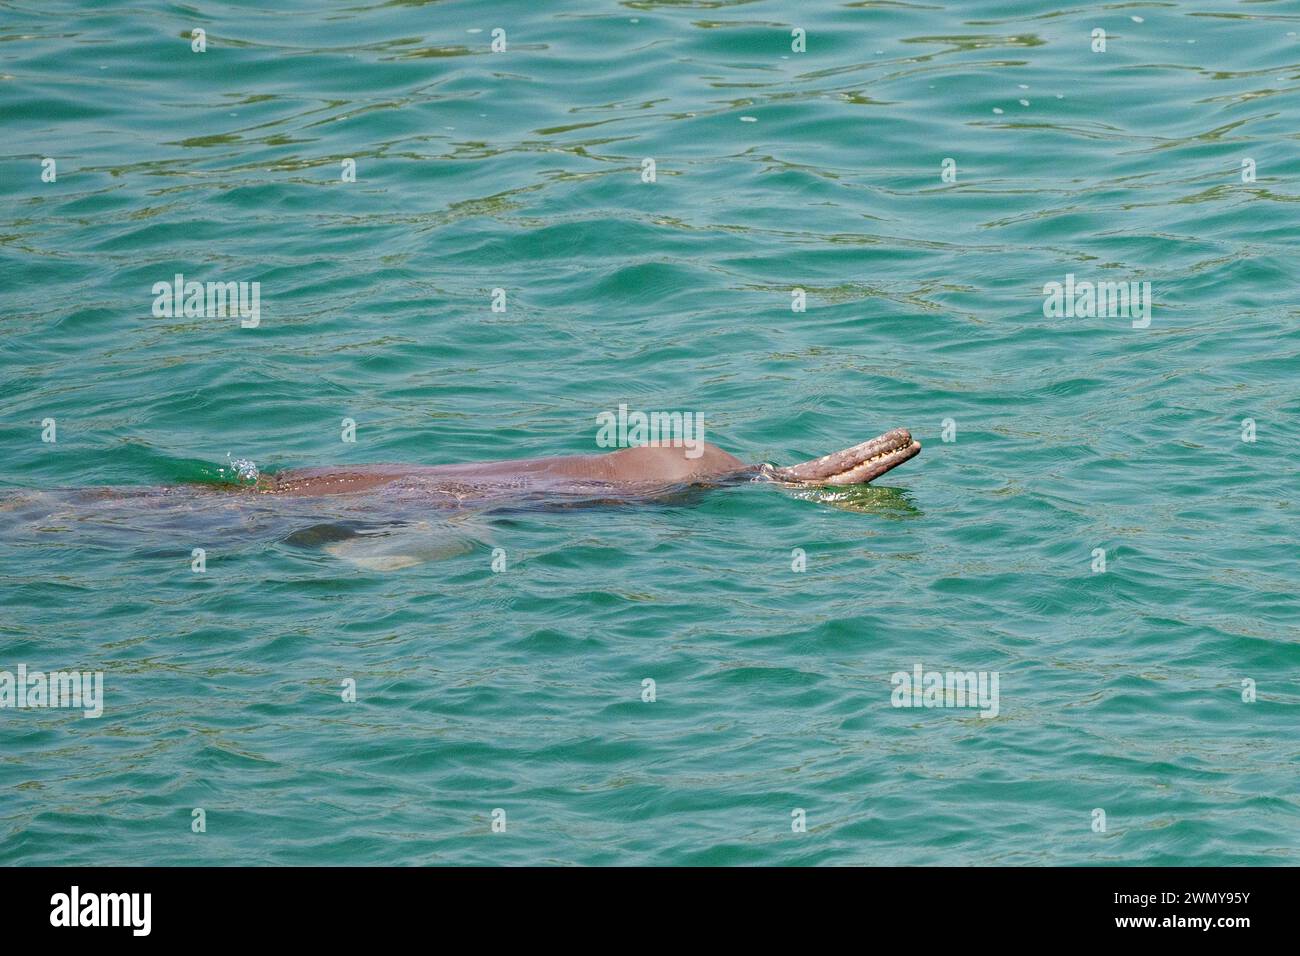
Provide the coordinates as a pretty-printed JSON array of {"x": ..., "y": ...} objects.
[{"x": 521, "y": 690}]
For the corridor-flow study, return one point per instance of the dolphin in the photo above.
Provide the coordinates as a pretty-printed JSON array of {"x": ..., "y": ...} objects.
[
  {"x": 386, "y": 517},
  {"x": 644, "y": 471}
]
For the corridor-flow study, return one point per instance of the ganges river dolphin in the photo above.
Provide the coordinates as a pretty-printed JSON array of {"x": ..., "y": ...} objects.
[
  {"x": 384, "y": 517},
  {"x": 642, "y": 471}
]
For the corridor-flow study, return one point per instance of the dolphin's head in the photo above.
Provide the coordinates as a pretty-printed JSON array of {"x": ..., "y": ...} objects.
[{"x": 852, "y": 466}]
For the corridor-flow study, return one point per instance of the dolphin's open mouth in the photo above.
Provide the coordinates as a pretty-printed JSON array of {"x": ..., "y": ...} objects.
[{"x": 852, "y": 466}]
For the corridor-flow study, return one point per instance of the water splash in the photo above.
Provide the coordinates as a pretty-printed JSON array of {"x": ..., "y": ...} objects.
[{"x": 244, "y": 469}]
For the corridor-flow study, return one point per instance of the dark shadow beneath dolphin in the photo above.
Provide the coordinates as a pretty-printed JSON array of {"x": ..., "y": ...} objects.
[{"x": 330, "y": 532}]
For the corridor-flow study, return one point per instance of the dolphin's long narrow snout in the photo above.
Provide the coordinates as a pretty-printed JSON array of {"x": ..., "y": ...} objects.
[{"x": 852, "y": 466}]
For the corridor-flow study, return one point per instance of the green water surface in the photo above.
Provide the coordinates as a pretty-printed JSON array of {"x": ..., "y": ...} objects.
[{"x": 522, "y": 690}]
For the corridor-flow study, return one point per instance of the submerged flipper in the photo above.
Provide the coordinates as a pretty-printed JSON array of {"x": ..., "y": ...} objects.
[{"x": 385, "y": 547}]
